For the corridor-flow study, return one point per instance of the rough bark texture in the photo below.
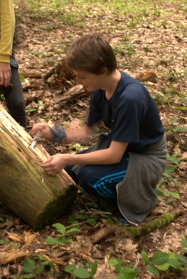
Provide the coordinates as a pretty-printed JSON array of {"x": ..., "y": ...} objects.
[{"x": 25, "y": 188}]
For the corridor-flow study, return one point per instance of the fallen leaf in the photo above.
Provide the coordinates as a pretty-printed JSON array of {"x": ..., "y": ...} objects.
[
  {"x": 15, "y": 237},
  {"x": 6, "y": 257},
  {"x": 184, "y": 155},
  {"x": 28, "y": 238}
]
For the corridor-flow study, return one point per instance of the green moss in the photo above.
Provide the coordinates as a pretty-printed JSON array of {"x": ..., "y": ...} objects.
[
  {"x": 56, "y": 208},
  {"x": 148, "y": 226}
]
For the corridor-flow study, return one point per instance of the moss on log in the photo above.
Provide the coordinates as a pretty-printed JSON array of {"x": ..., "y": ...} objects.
[{"x": 150, "y": 225}]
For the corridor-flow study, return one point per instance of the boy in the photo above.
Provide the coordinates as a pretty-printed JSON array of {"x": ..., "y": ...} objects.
[
  {"x": 10, "y": 84},
  {"x": 127, "y": 163}
]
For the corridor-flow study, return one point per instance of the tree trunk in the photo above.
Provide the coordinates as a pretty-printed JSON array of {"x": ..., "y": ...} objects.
[{"x": 25, "y": 188}]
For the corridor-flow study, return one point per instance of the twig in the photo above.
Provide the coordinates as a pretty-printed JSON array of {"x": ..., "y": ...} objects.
[
  {"x": 85, "y": 257},
  {"x": 103, "y": 233}
]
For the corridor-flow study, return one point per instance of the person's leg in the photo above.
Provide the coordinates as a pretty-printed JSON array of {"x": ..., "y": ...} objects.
[
  {"x": 15, "y": 100},
  {"x": 72, "y": 169},
  {"x": 101, "y": 180},
  {"x": 72, "y": 174}
]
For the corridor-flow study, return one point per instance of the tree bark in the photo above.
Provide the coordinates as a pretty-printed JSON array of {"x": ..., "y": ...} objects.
[{"x": 25, "y": 188}]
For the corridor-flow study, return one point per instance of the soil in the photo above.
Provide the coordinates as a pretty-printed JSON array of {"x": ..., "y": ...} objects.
[{"x": 40, "y": 45}]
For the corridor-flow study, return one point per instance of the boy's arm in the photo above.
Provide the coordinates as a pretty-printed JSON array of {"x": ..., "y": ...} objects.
[
  {"x": 109, "y": 156},
  {"x": 74, "y": 132},
  {"x": 78, "y": 132}
]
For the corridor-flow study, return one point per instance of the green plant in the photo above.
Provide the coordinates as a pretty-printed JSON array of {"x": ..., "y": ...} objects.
[
  {"x": 162, "y": 261},
  {"x": 36, "y": 266},
  {"x": 173, "y": 161},
  {"x": 82, "y": 271},
  {"x": 89, "y": 218},
  {"x": 126, "y": 49},
  {"x": 2, "y": 98},
  {"x": 166, "y": 193},
  {"x": 129, "y": 48},
  {"x": 30, "y": 110},
  {"x": 64, "y": 237},
  {"x": 76, "y": 147},
  {"x": 50, "y": 27},
  {"x": 171, "y": 76},
  {"x": 2, "y": 242},
  {"x": 123, "y": 272},
  {"x": 183, "y": 251},
  {"x": 21, "y": 77}
]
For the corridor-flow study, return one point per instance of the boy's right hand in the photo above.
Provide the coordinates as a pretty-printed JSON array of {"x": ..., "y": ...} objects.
[{"x": 44, "y": 129}]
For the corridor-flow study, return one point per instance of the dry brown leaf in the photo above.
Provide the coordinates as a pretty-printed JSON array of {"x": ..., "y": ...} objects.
[
  {"x": 5, "y": 272},
  {"x": 15, "y": 237},
  {"x": 40, "y": 251},
  {"x": 184, "y": 155},
  {"x": 28, "y": 238},
  {"x": 183, "y": 165},
  {"x": 147, "y": 76},
  {"x": 130, "y": 246},
  {"x": 184, "y": 204},
  {"x": 155, "y": 236},
  {"x": 9, "y": 223},
  {"x": 126, "y": 245},
  {"x": 103, "y": 270},
  {"x": 59, "y": 262},
  {"x": 14, "y": 254}
]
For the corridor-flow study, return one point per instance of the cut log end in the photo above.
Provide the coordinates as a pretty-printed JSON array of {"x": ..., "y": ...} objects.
[{"x": 25, "y": 188}]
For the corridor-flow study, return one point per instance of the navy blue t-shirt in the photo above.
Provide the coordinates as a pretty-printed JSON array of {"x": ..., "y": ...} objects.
[{"x": 130, "y": 114}]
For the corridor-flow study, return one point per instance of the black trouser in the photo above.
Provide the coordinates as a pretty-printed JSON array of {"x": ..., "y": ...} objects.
[{"x": 14, "y": 99}]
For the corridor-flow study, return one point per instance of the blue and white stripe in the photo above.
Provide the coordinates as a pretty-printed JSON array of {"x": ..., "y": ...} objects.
[{"x": 101, "y": 185}]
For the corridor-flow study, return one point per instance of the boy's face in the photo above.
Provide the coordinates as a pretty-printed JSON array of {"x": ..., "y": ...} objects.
[{"x": 89, "y": 81}]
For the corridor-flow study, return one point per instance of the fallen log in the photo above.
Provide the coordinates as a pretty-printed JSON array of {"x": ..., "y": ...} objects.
[
  {"x": 156, "y": 223},
  {"x": 73, "y": 93},
  {"x": 25, "y": 188}
]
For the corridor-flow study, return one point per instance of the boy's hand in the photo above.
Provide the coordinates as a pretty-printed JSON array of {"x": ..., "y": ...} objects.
[
  {"x": 44, "y": 129},
  {"x": 54, "y": 164}
]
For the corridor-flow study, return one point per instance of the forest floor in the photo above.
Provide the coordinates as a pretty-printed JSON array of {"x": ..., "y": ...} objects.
[{"x": 151, "y": 41}]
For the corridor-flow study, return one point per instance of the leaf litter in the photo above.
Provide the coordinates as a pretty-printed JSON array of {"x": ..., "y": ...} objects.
[{"x": 156, "y": 44}]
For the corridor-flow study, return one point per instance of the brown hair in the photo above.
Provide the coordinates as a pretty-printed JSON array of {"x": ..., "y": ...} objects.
[{"x": 91, "y": 53}]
